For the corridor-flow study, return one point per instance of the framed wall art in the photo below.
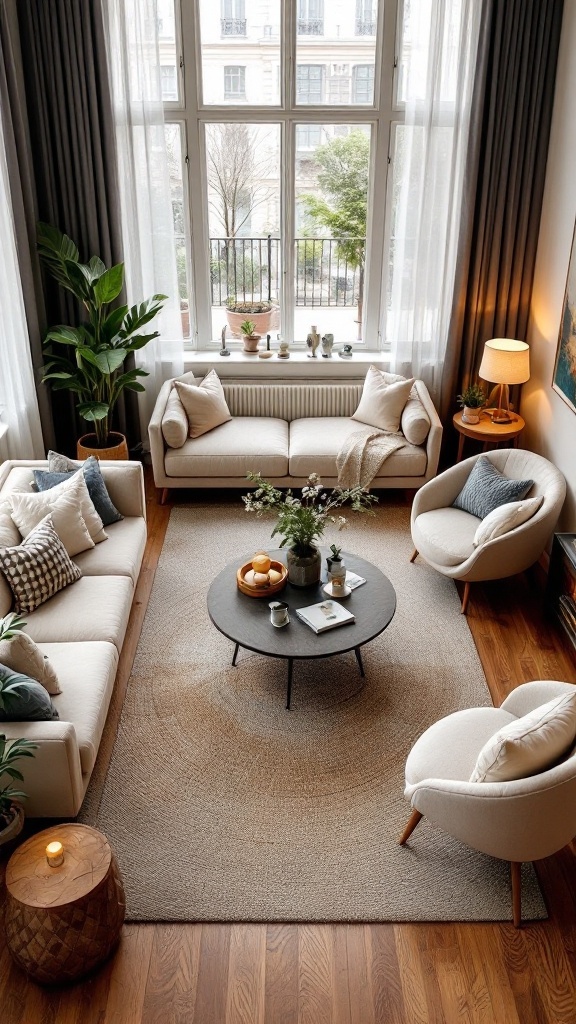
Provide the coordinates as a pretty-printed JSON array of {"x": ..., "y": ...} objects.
[{"x": 564, "y": 379}]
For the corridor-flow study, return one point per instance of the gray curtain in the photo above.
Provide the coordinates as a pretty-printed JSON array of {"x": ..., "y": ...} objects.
[
  {"x": 71, "y": 130},
  {"x": 22, "y": 195},
  {"x": 513, "y": 102}
]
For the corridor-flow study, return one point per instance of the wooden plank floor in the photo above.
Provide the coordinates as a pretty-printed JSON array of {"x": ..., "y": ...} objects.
[{"x": 343, "y": 974}]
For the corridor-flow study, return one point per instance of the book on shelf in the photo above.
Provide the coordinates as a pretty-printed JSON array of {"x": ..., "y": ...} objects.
[{"x": 325, "y": 615}]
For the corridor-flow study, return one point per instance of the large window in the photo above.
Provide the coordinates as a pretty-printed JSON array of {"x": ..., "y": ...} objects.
[{"x": 285, "y": 127}]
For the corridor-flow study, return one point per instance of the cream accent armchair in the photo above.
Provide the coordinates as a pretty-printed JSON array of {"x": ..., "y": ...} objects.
[
  {"x": 443, "y": 535},
  {"x": 518, "y": 821}
]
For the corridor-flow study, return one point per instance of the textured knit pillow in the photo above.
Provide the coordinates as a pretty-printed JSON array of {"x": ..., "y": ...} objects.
[
  {"x": 505, "y": 518},
  {"x": 21, "y": 654},
  {"x": 40, "y": 504},
  {"x": 46, "y": 479},
  {"x": 486, "y": 488},
  {"x": 38, "y": 567},
  {"x": 205, "y": 405},
  {"x": 22, "y": 699},
  {"x": 66, "y": 519},
  {"x": 415, "y": 422},
  {"x": 530, "y": 744},
  {"x": 382, "y": 403}
]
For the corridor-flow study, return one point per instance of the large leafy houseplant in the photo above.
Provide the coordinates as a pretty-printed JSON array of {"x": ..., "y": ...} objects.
[{"x": 88, "y": 359}]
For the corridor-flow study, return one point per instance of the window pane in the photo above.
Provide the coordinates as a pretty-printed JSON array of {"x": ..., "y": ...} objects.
[
  {"x": 333, "y": 40},
  {"x": 240, "y": 47},
  {"x": 415, "y": 49},
  {"x": 243, "y": 173},
  {"x": 331, "y": 214},
  {"x": 167, "y": 43},
  {"x": 172, "y": 133}
]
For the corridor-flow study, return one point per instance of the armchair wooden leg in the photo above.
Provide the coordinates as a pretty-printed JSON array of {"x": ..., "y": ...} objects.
[
  {"x": 411, "y": 825},
  {"x": 414, "y": 555},
  {"x": 515, "y": 869},
  {"x": 163, "y": 496},
  {"x": 465, "y": 597}
]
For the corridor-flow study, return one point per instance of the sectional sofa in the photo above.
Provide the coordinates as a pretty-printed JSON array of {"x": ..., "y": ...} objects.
[
  {"x": 286, "y": 430},
  {"x": 81, "y": 630}
]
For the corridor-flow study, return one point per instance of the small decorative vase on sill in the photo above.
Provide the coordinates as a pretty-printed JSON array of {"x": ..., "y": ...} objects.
[{"x": 304, "y": 570}]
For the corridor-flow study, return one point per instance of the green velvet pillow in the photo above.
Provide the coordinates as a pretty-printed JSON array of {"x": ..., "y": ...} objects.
[
  {"x": 23, "y": 699},
  {"x": 487, "y": 488}
]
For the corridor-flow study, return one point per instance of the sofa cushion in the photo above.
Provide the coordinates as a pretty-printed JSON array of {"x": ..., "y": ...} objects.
[
  {"x": 47, "y": 479},
  {"x": 87, "y": 672},
  {"x": 486, "y": 488},
  {"x": 40, "y": 503},
  {"x": 204, "y": 404},
  {"x": 95, "y": 608},
  {"x": 529, "y": 744},
  {"x": 121, "y": 555},
  {"x": 24, "y": 699},
  {"x": 21, "y": 654},
  {"x": 316, "y": 441},
  {"x": 505, "y": 518},
  {"x": 38, "y": 568},
  {"x": 449, "y": 535},
  {"x": 382, "y": 402},
  {"x": 175, "y": 421},
  {"x": 9, "y": 536},
  {"x": 244, "y": 444},
  {"x": 67, "y": 519},
  {"x": 415, "y": 422}
]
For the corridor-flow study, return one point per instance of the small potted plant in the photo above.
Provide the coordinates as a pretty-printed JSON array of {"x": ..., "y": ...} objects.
[
  {"x": 472, "y": 399},
  {"x": 334, "y": 559},
  {"x": 249, "y": 336},
  {"x": 11, "y": 810}
]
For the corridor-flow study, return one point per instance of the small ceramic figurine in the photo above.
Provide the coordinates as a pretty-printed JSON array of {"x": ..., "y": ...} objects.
[
  {"x": 267, "y": 353},
  {"x": 313, "y": 340},
  {"x": 283, "y": 349},
  {"x": 346, "y": 352},
  {"x": 224, "y": 351},
  {"x": 327, "y": 343}
]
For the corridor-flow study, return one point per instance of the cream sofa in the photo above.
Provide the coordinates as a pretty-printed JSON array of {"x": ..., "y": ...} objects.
[
  {"x": 81, "y": 630},
  {"x": 285, "y": 431}
]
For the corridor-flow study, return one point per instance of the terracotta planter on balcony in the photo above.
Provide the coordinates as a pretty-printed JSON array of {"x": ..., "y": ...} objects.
[{"x": 264, "y": 322}]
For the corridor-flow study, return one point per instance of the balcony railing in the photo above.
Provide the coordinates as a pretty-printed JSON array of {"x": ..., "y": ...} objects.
[
  {"x": 248, "y": 269},
  {"x": 310, "y": 26},
  {"x": 233, "y": 26}
]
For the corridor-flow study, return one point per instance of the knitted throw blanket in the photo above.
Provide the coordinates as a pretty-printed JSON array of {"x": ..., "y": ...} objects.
[{"x": 362, "y": 454}]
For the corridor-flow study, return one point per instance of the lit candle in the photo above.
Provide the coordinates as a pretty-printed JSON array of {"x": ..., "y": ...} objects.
[{"x": 55, "y": 854}]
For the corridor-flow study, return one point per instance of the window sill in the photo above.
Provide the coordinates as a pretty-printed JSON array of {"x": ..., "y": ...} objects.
[{"x": 299, "y": 366}]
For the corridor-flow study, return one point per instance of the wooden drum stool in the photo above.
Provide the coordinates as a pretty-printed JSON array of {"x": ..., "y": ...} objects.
[{"x": 63, "y": 921}]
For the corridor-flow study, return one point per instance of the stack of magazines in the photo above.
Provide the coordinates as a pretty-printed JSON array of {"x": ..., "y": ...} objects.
[{"x": 325, "y": 615}]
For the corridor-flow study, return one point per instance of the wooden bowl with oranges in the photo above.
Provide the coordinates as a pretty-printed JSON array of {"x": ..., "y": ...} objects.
[{"x": 262, "y": 576}]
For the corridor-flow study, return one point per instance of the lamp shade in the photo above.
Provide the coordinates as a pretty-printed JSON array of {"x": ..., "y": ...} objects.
[{"x": 505, "y": 361}]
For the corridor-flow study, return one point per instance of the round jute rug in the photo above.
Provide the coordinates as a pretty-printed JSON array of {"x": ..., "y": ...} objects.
[{"x": 223, "y": 806}]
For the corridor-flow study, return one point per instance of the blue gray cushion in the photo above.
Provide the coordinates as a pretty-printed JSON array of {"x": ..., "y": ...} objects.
[
  {"x": 45, "y": 479},
  {"x": 487, "y": 488},
  {"x": 23, "y": 699}
]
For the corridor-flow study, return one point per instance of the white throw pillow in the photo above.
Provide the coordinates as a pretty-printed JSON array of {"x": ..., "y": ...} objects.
[
  {"x": 530, "y": 744},
  {"x": 175, "y": 424},
  {"x": 66, "y": 518},
  {"x": 21, "y": 654},
  {"x": 415, "y": 422},
  {"x": 382, "y": 403},
  {"x": 205, "y": 404},
  {"x": 28, "y": 508},
  {"x": 505, "y": 518}
]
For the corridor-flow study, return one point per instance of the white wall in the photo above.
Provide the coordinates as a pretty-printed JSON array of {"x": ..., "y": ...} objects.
[{"x": 550, "y": 422}]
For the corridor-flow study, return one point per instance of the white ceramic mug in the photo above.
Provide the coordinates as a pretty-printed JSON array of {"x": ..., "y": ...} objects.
[{"x": 278, "y": 613}]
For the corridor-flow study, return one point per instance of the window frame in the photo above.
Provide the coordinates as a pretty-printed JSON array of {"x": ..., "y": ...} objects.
[{"x": 192, "y": 113}]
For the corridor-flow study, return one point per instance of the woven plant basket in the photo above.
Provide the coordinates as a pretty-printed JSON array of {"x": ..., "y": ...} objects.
[
  {"x": 86, "y": 445},
  {"x": 15, "y": 827}
]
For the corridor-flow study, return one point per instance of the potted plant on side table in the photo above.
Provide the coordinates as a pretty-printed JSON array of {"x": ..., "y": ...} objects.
[
  {"x": 471, "y": 400},
  {"x": 89, "y": 359},
  {"x": 302, "y": 521},
  {"x": 11, "y": 810}
]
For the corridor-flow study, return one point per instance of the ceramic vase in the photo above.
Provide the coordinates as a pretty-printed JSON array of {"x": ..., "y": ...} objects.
[
  {"x": 304, "y": 570},
  {"x": 470, "y": 415}
]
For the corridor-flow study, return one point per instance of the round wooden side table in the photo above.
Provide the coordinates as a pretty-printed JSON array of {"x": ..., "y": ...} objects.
[
  {"x": 489, "y": 433},
  {"x": 63, "y": 921}
]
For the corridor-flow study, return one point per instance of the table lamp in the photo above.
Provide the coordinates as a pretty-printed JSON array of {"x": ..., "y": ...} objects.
[{"x": 505, "y": 361}]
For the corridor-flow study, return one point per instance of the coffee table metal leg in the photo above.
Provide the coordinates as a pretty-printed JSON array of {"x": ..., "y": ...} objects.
[
  {"x": 289, "y": 690},
  {"x": 359, "y": 660},
  {"x": 236, "y": 649}
]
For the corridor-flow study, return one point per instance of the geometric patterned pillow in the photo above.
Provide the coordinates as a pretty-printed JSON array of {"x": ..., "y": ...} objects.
[{"x": 37, "y": 568}]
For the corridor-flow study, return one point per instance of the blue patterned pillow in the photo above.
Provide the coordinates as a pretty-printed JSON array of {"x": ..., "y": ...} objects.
[
  {"x": 23, "y": 699},
  {"x": 45, "y": 479},
  {"x": 487, "y": 488}
]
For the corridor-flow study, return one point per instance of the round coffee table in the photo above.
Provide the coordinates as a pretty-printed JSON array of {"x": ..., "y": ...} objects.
[{"x": 246, "y": 620}]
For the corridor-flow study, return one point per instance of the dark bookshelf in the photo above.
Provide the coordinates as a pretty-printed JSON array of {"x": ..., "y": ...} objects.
[{"x": 561, "y": 590}]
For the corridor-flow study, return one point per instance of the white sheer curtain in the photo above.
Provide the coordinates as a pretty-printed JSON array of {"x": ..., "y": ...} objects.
[
  {"x": 18, "y": 402},
  {"x": 439, "y": 57},
  {"x": 146, "y": 203}
]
